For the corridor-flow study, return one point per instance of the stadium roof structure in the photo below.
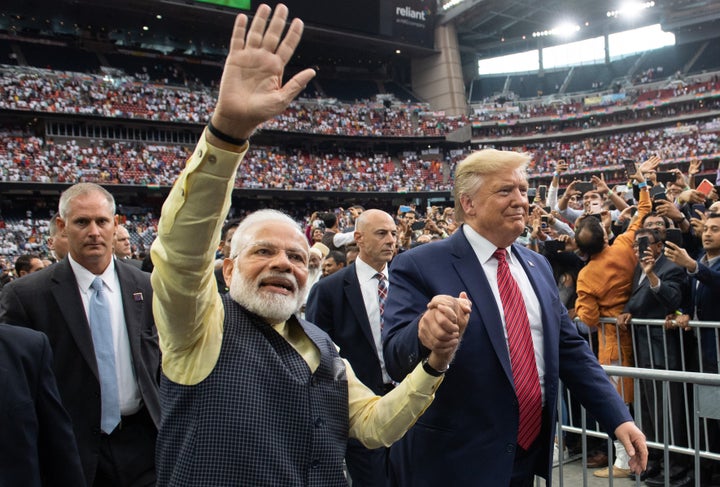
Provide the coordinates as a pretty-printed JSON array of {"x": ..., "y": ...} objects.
[
  {"x": 485, "y": 28},
  {"x": 489, "y": 28}
]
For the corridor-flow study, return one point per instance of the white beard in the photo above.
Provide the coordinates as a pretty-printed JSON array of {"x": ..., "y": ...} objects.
[
  {"x": 313, "y": 276},
  {"x": 272, "y": 307}
]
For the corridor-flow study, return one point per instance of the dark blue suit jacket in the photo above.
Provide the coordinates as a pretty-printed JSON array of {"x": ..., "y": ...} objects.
[
  {"x": 646, "y": 303},
  {"x": 651, "y": 349},
  {"x": 336, "y": 305},
  {"x": 37, "y": 445},
  {"x": 468, "y": 435}
]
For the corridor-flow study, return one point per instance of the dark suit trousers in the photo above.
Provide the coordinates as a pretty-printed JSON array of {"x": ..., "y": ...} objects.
[{"x": 127, "y": 455}]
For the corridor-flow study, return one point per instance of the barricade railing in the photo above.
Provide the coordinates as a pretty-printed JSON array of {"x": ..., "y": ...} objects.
[{"x": 678, "y": 390}]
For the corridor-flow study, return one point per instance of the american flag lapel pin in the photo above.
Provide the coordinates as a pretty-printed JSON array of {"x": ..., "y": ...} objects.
[{"x": 137, "y": 296}]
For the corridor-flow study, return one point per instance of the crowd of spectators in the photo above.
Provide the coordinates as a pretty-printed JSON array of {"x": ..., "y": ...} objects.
[
  {"x": 23, "y": 235},
  {"x": 117, "y": 96},
  {"x": 34, "y": 159},
  {"x": 589, "y": 104},
  {"x": 673, "y": 144},
  {"x": 596, "y": 120},
  {"x": 364, "y": 119},
  {"x": 41, "y": 90}
]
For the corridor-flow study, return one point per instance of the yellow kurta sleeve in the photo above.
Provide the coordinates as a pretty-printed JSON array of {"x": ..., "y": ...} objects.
[
  {"x": 380, "y": 421},
  {"x": 374, "y": 420},
  {"x": 187, "y": 307}
]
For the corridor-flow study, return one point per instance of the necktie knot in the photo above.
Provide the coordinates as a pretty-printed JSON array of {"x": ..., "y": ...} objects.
[
  {"x": 97, "y": 284},
  {"x": 500, "y": 255},
  {"x": 379, "y": 276}
]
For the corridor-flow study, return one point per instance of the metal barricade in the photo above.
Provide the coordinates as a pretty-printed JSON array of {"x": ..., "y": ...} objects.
[{"x": 679, "y": 384}]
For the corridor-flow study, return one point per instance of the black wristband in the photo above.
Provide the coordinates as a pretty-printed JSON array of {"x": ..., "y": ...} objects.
[
  {"x": 430, "y": 370},
  {"x": 224, "y": 137}
]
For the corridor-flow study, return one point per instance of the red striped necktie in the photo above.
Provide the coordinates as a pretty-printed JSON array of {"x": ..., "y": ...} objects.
[
  {"x": 522, "y": 354},
  {"x": 382, "y": 296}
]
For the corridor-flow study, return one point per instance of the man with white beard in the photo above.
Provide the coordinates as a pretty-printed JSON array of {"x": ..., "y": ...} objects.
[
  {"x": 315, "y": 260},
  {"x": 251, "y": 394},
  {"x": 317, "y": 253}
]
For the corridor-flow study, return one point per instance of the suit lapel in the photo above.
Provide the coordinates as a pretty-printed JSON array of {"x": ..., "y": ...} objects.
[
  {"x": 485, "y": 309},
  {"x": 133, "y": 302},
  {"x": 357, "y": 304},
  {"x": 67, "y": 295},
  {"x": 695, "y": 282},
  {"x": 662, "y": 265},
  {"x": 636, "y": 284}
]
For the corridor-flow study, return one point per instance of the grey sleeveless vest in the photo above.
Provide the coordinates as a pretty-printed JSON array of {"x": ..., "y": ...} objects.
[{"x": 260, "y": 418}]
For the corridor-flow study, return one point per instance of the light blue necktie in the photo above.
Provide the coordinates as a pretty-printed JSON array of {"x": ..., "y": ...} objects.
[{"x": 100, "y": 326}]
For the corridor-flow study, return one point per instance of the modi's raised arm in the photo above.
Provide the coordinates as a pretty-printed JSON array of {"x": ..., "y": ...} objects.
[{"x": 186, "y": 306}]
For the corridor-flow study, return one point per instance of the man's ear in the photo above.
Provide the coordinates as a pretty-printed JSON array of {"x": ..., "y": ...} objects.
[
  {"x": 228, "y": 266},
  {"x": 61, "y": 225},
  {"x": 468, "y": 205}
]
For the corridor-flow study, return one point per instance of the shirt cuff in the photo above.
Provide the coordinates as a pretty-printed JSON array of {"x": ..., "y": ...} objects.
[{"x": 423, "y": 383}]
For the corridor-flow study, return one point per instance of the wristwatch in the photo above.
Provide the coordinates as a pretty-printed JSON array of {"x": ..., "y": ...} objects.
[{"x": 432, "y": 371}]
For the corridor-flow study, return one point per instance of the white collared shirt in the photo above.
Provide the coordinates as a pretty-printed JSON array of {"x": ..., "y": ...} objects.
[
  {"x": 369, "y": 288},
  {"x": 484, "y": 251},
  {"x": 127, "y": 382}
]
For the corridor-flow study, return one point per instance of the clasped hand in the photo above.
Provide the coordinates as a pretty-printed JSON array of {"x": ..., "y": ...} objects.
[{"x": 442, "y": 326}]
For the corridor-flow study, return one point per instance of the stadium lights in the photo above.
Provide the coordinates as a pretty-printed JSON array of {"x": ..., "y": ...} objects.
[
  {"x": 562, "y": 30},
  {"x": 451, "y": 4},
  {"x": 630, "y": 9}
]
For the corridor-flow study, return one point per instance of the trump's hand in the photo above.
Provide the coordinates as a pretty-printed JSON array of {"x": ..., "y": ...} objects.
[
  {"x": 634, "y": 442},
  {"x": 442, "y": 326}
]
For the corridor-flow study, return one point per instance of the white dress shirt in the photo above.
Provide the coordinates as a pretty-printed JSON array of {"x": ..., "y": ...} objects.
[
  {"x": 130, "y": 401},
  {"x": 369, "y": 288}
]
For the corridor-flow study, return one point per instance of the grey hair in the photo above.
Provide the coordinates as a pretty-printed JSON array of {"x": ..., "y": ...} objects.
[
  {"x": 52, "y": 226},
  {"x": 81, "y": 189},
  {"x": 241, "y": 236}
]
